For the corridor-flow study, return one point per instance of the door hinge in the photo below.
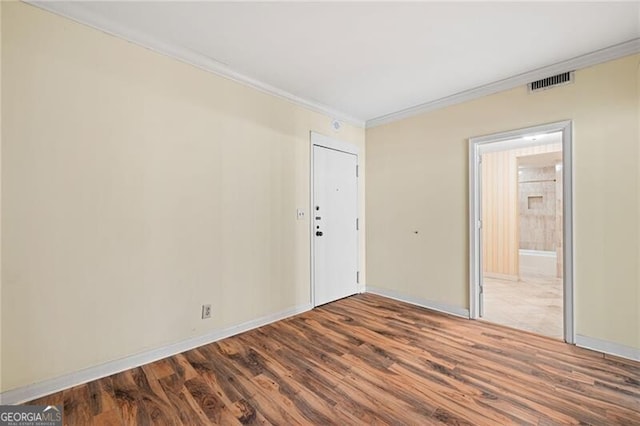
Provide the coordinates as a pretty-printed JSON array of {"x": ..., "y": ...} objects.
[
  {"x": 480, "y": 159},
  {"x": 356, "y": 171},
  {"x": 357, "y": 224},
  {"x": 481, "y": 289},
  {"x": 358, "y": 277},
  {"x": 479, "y": 224}
]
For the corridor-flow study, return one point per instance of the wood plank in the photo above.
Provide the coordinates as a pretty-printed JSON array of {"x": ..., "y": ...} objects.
[
  {"x": 367, "y": 360},
  {"x": 76, "y": 407}
]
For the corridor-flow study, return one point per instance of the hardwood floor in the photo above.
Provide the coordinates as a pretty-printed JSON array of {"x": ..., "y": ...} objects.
[{"x": 368, "y": 360}]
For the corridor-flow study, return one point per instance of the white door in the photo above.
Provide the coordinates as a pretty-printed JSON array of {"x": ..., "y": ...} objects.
[{"x": 334, "y": 218}]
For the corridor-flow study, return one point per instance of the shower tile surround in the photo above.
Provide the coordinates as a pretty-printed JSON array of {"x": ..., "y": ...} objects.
[{"x": 537, "y": 208}]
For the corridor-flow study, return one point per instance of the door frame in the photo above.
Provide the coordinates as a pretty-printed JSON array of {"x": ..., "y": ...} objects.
[
  {"x": 317, "y": 139},
  {"x": 475, "y": 249}
]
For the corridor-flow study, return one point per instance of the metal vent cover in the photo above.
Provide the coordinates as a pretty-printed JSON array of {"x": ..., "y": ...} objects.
[{"x": 553, "y": 81}]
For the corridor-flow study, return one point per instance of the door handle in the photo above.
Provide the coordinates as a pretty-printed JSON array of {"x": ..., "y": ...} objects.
[{"x": 319, "y": 233}]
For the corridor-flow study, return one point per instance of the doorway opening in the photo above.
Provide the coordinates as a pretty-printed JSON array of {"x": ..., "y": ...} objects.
[{"x": 521, "y": 244}]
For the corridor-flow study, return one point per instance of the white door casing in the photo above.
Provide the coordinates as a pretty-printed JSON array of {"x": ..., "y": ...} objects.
[
  {"x": 334, "y": 217},
  {"x": 475, "y": 216},
  {"x": 480, "y": 278}
]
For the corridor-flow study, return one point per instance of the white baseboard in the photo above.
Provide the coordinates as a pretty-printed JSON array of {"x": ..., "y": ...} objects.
[
  {"x": 429, "y": 304},
  {"x": 607, "y": 347},
  {"x": 46, "y": 387}
]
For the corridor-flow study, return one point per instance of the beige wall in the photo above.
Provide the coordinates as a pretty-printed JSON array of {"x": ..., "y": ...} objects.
[
  {"x": 1, "y": 386},
  {"x": 135, "y": 189},
  {"x": 417, "y": 179}
]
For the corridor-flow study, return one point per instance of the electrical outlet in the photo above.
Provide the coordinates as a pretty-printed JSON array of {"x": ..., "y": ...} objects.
[
  {"x": 206, "y": 311},
  {"x": 300, "y": 214}
]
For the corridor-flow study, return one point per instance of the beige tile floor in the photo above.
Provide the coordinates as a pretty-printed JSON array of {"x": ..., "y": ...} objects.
[{"x": 532, "y": 304}]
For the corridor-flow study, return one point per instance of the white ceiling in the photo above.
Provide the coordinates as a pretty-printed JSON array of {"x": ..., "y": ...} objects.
[{"x": 362, "y": 60}]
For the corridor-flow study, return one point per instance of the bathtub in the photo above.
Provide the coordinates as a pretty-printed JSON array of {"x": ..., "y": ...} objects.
[{"x": 538, "y": 262}]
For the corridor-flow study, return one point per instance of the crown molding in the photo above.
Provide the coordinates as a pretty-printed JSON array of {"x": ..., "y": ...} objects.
[
  {"x": 599, "y": 56},
  {"x": 75, "y": 12}
]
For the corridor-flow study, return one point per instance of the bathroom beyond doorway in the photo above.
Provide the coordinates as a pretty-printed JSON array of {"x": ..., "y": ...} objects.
[{"x": 519, "y": 206}]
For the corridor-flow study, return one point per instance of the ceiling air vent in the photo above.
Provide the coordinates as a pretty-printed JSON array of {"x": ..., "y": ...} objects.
[{"x": 549, "y": 82}]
